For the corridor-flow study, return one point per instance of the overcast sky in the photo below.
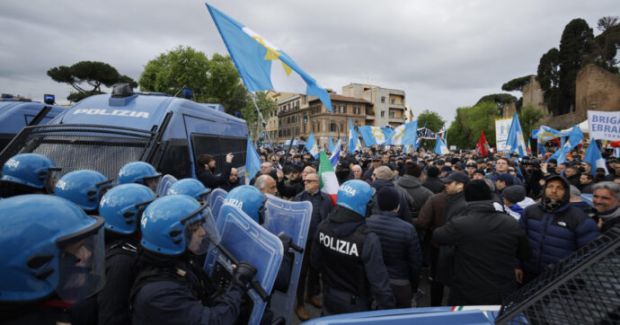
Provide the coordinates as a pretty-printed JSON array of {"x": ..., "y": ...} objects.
[{"x": 444, "y": 53}]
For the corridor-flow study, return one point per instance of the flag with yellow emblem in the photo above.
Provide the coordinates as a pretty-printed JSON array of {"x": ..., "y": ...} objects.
[{"x": 261, "y": 65}]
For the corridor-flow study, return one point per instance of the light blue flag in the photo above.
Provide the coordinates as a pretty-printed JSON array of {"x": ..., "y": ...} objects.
[
  {"x": 252, "y": 161},
  {"x": 406, "y": 134},
  {"x": 372, "y": 135},
  {"x": 388, "y": 132},
  {"x": 594, "y": 158},
  {"x": 312, "y": 146},
  {"x": 254, "y": 57},
  {"x": 515, "y": 141},
  {"x": 574, "y": 138},
  {"x": 330, "y": 144},
  {"x": 440, "y": 147},
  {"x": 335, "y": 156},
  {"x": 354, "y": 142}
]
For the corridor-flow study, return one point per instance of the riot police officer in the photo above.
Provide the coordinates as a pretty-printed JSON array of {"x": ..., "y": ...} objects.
[
  {"x": 191, "y": 187},
  {"x": 139, "y": 172},
  {"x": 121, "y": 208},
  {"x": 28, "y": 173},
  {"x": 349, "y": 256},
  {"x": 83, "y": 187},
  {"x": 171, "y": 288},
  {"x": 51, "y": 259}
]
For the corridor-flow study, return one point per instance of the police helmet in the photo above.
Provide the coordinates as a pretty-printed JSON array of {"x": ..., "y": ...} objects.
[
  {"x": 174, "y": 224},
  {"x": 49, "y": 246},
  {"x": 122, "y": 206},
  {"x": 189, "y": 186},
  {"x": 32, "y": 170},
  {"x": 355, "y": 196},
  {"x": 249, "y": 199},
  {"x": 83, "y": 187},
  {"x": 137, "y": 172}
]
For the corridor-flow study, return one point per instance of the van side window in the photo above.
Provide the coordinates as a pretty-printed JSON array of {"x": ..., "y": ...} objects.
[
  {"x": 219, "y": 146},
  {"x": 175, "y": 159}
]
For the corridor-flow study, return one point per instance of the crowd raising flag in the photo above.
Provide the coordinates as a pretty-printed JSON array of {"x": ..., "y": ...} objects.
[
  {"x": 574, "y": 138},
  {"x": 354, "y": 142},
  {"x": 254, "y": 57},
  {"x": 515, "y": 141},
  {"x": 312, "y": 146},
  {"x": 594, "y": 158},
  {"x": 335, "y": 155},
  {"x": 372, "y": 135},
  {"x": 406, "y": 134},
  {"x": 482, "y": 146},
  {"x": 330, "y": 144},
  {"x": 252, "y": 162},
  {"x": 327, "y": 176},
  {"x": 440, "y": 147}
]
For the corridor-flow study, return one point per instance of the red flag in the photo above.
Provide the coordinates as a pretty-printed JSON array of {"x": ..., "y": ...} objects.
[{"x": 482, "y": 146}]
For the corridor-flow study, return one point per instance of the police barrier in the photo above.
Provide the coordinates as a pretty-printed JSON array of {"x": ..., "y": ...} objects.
[
  {"x": 247, "y": 241},
  {"x": 215, "y": 201},
  {"x": 292, "y": 219},
  {"x": 164, "y": 183}
]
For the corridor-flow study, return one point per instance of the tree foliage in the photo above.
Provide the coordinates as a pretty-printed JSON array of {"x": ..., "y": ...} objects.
[
  {"x": 432, "y": 121},
  {"x": 530, "y": 119},
  {"x": 575, "y": 45},
  {"x": 248, "y": 112},
  {"x": 92, "y": 73},
  {"x": 605, "y": 23},
  {"x": 516, "y": 84},
  {"x": 215, "y": 80},
  {"x": 549, "y": 77},
  {"x": 464, "y": 132}
]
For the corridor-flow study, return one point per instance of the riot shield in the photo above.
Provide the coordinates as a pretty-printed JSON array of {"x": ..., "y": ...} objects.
[
  {"x": 164, "y": 183},
  {"x": 292, "y": 219},
  {"x": 215, "y": 201},
  {"x": 242, "y": 239}
]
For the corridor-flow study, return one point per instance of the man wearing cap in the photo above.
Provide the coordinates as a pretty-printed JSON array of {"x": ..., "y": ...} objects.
[
  {"x": 487, "y": 242},
  {"x": 435, "y": 212},
  {"x": 554, "y": 229},
  {"x": 515, "y": 201},
  {"x": 433, "y": 182},
  {"x": 376, "y": 163},
  {"x": 410, "y": 182},
  {"x": 502, "y": 181},
  {"x": 399, "y": 244},
  {"x": 382, "y": 177}
]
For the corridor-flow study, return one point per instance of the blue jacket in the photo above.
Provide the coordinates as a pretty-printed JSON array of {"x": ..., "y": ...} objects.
[
  {"x": 400, "y": 245},
  {"x": 556, "y": 234}
]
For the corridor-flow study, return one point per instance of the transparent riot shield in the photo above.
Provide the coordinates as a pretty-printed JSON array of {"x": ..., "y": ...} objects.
[
  {"x": 242, "y": 239},
  {"x": 215, "y": 201},
  {"x": 292, "y": 219},
  {"x": 164, "y": 183}
]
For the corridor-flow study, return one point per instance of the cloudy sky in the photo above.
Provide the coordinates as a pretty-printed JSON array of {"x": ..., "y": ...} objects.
[{"x": 444, "y": 53}]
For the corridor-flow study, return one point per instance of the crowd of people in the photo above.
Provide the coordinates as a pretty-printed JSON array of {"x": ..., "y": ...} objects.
[{"x": 473, "y": 228}]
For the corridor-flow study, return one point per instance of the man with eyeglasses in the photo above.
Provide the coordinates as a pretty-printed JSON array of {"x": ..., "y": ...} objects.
[{"x": 321, "y": 207}]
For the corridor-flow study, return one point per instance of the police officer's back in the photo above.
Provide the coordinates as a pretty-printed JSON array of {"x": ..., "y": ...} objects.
[{"x": 350, "y": 257}]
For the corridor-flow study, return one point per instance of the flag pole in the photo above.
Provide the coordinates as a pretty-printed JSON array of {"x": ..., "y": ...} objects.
[{"x": 260, "y": 119}]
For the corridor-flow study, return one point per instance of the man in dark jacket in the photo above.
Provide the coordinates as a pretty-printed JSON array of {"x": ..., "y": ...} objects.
[
  {"x": 206, "y": 171},
  {"x": 433, "y": 182},
  {"x": 321, "y": 207},
  {"x": 349, "y": 256},
  {"x": 400, "y": 246},
  {"x": 410, "y": 182},
  {"x": 383, "y": 177},
  {"x": 554, "y": 228},
  {"x": 486, "y": 244},
  {"x": 606, "y": 201}
]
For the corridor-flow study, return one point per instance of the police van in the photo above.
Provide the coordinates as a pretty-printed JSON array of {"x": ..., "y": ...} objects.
[
  {"x": 17, "y": 113},
  {"x": 104, "y": 132}
]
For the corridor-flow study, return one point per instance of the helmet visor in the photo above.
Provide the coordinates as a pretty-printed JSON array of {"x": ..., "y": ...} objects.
[
  {"x": 201, "y": 231},
  {"x": 82, "y": 271}
]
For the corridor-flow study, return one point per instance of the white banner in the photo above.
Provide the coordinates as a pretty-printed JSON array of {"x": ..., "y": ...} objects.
[
  {"x": 501, "y": 133},
  {"x": 604, "y": 125}
]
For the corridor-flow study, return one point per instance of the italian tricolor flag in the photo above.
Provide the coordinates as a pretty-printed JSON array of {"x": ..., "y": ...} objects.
[{"x": 329, "y": 182}]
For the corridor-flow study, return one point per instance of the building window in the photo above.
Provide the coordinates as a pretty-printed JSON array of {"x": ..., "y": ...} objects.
[
  {"x": 382, "y": 99},
  {"x": 392, "y": 114},
  {"x": 392, "y": 100},
  {"x": 356, "y": 110},
  {"x": 332, "y": 127},
  {"x": 382, "y": 113}
]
